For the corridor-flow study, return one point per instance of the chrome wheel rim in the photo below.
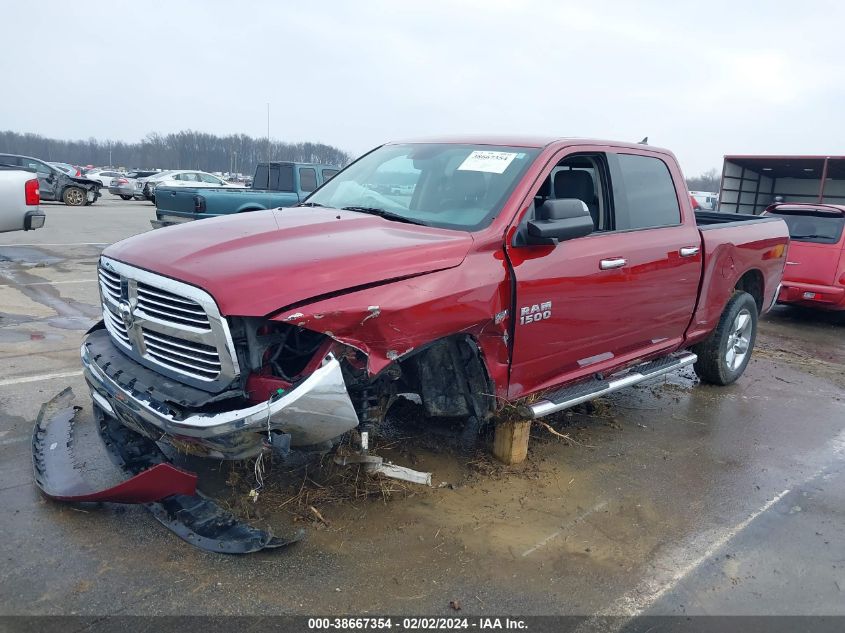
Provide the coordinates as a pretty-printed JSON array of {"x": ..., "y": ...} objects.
[
  {"x": 74, "y": 197},
  {"x": 739, "y": 340}
]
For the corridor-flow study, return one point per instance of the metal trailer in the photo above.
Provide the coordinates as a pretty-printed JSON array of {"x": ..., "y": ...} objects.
[{"x": 752, "y": 183}]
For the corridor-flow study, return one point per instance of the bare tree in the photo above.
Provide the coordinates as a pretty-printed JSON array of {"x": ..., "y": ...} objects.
[{"x": 710, "y": 180}]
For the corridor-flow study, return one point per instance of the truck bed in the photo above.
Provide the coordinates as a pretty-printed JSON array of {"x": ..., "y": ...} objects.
[
  {"x": 731, "y": 243},
  {"x": 707, "y": 220},
  {"x": 180, "y": 204}
]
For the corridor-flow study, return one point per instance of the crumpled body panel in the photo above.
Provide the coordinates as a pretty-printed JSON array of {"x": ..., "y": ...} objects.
[{"x": 392, "y": 321}]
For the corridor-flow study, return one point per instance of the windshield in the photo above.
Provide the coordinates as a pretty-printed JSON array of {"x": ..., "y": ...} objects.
[
  {"x": 445, "y": 185},
  {"x": 820, "y": 227}
]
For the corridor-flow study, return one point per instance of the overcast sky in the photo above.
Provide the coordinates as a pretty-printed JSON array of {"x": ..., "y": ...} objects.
[{"x": 703, "y": 79}]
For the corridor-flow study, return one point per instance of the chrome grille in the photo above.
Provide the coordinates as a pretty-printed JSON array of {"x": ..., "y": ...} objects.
[
  {"x": 182, "y": 355},
  {"x": 167, "y": 306},
  {"x": 115, "y": 326},
  {"x": 110, "y": 282},
  {"x": 169, "y": 326}
]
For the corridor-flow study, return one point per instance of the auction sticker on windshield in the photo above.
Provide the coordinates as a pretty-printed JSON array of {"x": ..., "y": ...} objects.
[{"x": 492, "y": 162}]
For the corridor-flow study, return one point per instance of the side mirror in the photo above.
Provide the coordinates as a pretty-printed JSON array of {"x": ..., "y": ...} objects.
[{"x": 563, "y": 219}]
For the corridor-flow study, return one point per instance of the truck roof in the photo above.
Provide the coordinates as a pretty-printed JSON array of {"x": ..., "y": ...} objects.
[
  {"x": 527, "y": 141},
  {"x": 296, "y": 162}
]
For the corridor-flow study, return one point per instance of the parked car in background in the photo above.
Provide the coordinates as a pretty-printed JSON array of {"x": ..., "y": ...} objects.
[
  {"x": 103, "y": 176},
  {"x": 814, "y": 275},
  {"x": 19, "y": 200},
  {"x": 70, "y": 170},
  {"x": 694, "y": 203},
  {"x": 145, "y": 187},
  {"x": 183, "y": 178},
  {"x": 282, "y": 184},
  {"x": 55, "y": 184},
  {"x": 707, "y": 200},
  {"x": 125, "y": 185}
]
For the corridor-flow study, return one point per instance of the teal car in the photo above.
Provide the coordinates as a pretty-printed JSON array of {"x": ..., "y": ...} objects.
[{"x": 275, "y": 184}]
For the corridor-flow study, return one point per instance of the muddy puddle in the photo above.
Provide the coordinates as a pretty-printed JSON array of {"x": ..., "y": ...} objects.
[
  {"x": 23, "y": 288},
  {"x": 551, "y": 511},
  {"x": 810, "y": 340}
]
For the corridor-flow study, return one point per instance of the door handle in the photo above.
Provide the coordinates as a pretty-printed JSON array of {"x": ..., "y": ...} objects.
[
  {"x": 689, "y": 251},
  {"x": 615, "y": 262}
]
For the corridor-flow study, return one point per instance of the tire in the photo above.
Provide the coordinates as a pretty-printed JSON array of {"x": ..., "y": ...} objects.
[
  {"x": 74, "y": 197},
  {"x": 724, "y": 355},
  {"x": 125, "y": 197}
]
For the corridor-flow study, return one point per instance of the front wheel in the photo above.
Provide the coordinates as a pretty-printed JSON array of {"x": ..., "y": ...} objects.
[
  {"x": 125, "y": 197},
  {"x": 74, "y": 197},
  {"x": 724, "y": 355}
]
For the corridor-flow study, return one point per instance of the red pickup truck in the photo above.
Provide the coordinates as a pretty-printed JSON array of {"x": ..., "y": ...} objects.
[
  {"x": 472, "y": 272},
  {"x": 815, "y": 269}
]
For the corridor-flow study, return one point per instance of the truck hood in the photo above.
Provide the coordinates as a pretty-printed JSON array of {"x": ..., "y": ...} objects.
[{"x": 256, "y": 263}]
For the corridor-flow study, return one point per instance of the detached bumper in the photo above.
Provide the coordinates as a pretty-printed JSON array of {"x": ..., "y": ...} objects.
[
  {"x": 315, "y": 411},
  {"x": 812, "y": 295}
]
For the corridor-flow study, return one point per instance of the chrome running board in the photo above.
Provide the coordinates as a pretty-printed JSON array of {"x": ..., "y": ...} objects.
[{"x": 589, "y": 390}]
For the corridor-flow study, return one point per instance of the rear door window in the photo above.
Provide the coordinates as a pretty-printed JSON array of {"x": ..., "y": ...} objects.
[
  {"x": 281, "y": 178},
  {"x": 276, "y": 178},
  {"x": 308, "y": 179},
  {"x": 644, "y": 193},
  {"x": 816, "y": 226},
  {"x": 329, "y": 173}
]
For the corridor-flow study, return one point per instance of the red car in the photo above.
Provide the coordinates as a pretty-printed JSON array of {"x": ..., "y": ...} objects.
[{"x": 815, "y": 266}]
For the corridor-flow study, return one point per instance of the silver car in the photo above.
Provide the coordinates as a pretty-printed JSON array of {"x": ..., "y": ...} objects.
[{"x": 125, "y": 185}]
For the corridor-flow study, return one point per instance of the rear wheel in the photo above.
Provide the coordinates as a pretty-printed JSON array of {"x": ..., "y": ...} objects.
[
  {"x": 724, "y": 355},
  {"x": 125, "y": 197},
  {"x": 74, "y": 197}
]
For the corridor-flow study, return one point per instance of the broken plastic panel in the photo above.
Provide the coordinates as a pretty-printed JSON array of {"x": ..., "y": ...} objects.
[{"x": 168, "y": 492}]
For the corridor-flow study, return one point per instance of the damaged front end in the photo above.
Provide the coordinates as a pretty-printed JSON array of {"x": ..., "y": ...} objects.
[
  {"x": 168, "y": 365},
  {"x": 165, "y": 363},
  {"x": 315, "y": 410}
]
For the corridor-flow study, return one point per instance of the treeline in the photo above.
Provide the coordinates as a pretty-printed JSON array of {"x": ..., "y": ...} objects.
[
  {"x": 182, "y": 150},
  {"x": 710, "y": 180}
]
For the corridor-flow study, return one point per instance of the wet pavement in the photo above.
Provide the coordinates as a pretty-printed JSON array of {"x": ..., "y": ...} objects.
[{"x": 670, "y": 498}]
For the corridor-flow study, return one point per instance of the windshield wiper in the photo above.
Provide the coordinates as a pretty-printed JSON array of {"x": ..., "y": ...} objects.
[
  {"x": 383, "y": 213},
  {"x": 309, "y": 204}
]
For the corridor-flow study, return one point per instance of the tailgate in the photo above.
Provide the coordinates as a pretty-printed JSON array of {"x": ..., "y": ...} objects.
[
  {"x": 178, "y": 199},
  {"x": 812, "y": 263}
]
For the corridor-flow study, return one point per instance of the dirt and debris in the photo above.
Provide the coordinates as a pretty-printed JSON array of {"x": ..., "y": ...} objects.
[{"x": 315, "y": 490}]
